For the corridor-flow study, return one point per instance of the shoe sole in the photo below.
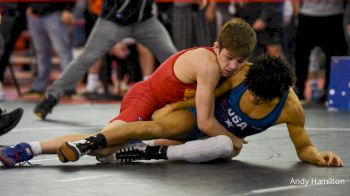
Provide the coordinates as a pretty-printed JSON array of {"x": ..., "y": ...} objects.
[
  {"x": 68, "y": 152},
  {"x": 61, "y": 157},
  {"x": 6, "y": 130},
  {"x": 40, "y": 115}
]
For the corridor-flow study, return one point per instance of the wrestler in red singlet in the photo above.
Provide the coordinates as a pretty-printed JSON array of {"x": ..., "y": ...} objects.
[{"x": 161, "y": 88}]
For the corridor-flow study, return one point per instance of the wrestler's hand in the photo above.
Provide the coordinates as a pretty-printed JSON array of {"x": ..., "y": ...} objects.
[
  {"x": 162, "y": 112},
  {"x": 328, "y": 159},
  {"x": 67, "y": 17},
  {"x": 237, "y": 146}
]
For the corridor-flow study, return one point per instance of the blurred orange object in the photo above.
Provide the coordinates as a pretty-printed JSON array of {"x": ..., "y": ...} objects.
[{"x": 95, "y": 6}]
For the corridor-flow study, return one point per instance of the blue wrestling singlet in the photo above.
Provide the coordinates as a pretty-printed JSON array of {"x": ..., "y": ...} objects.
[{"x": 230, "y": 115}]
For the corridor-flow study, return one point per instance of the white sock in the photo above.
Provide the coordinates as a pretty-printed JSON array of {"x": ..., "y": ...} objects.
[
  {"x": 202, "y": 150},
  {"x": 36, "y": 148},
  {"x": 92, "y": 82}
]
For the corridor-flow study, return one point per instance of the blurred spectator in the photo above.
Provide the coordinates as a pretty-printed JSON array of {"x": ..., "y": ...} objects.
[
  {"x": 347, "y": 25},
  {"x": 320, "y": 24},
  {"x": 1, "y": 42},
  {"x": 316, "y": 61},
  {"x": 118, "y": 20},
  {"x": 79, "y": 36},
  {"x": 49, "y": 24},
  {"x": 266, "y": 19},
  {"x": 121, "y": 50},
  {"x": 127, "y": 62},
  {"x": 192, "y": 26},
  {"x": 289, "y": 31},
  {"x": 13, "y": 22}
]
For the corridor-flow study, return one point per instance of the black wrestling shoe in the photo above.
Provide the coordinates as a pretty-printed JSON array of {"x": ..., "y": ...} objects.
[
  {"x": 72, "y": 151},
  {"x": 130, "y": 154},
  {"x": 135, "y": 148},
  {"x": 136, "y": 153},
  {"x": 9, "y": 120},
  {"x": 45, "y": 107}
]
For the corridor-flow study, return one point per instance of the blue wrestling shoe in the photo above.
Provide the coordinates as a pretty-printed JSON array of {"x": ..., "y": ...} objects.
[{"x": 11, "y": 155}]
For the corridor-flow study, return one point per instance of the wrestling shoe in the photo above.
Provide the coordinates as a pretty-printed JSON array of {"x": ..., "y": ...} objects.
[
  {"x": 135, "y": 153},
  {"x": 72, "y": 151},
  {"x": 45, "y": 107},
  {"x": 61, "y": 157},
  {"x": 132, "y": 152},
  {"x": 21, "y": 153},
  {"x": 9, "y": 120}
]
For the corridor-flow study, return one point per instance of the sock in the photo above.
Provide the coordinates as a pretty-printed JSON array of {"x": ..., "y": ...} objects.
[
  {"x": 36, "y": 148},
  {"x": 202, "y": 150},
  {"x": 92, "y": 82}
]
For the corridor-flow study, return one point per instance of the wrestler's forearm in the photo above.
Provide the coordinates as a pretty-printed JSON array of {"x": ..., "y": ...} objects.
[
  {"x": 214, "y": 128},
  {"x": 182, "y": 104},
  {"x": 308, "y": 154}
]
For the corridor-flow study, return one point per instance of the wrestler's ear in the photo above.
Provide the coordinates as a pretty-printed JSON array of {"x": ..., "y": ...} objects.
[{"x": 216, "y": 47}]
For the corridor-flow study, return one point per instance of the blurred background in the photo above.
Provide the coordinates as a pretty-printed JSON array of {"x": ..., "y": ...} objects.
[{"x": 39, "y": 38}]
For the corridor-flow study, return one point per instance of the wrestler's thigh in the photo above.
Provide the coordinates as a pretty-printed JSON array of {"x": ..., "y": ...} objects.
[{"x": 177, "y": 124}]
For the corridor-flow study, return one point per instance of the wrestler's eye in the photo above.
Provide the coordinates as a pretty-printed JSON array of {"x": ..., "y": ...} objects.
[{"x": 240, "y": 61}]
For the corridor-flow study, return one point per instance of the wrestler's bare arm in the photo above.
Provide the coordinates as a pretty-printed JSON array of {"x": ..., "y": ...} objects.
[
  {"x": 223, "y": 87},
  {"x": 208, "y": 74},
  {"x": 306, "y": 151}
]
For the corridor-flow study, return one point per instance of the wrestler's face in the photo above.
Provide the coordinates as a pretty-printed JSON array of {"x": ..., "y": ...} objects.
[{"x": 228, "y": 61}]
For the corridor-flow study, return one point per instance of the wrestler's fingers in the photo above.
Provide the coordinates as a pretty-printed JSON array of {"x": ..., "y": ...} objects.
[
  {"x": 341, "y": 163},
  {"x": 329, "y": 156},
  {"x": 338, "y": 161},
  {"x": 321, "y": 161}
]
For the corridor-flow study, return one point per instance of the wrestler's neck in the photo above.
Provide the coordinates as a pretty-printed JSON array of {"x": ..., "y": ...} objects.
[{"x": 254, "y": 107}]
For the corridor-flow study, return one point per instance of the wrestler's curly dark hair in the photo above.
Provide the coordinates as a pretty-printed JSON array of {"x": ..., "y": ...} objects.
[{"x": 270, "y": 77}]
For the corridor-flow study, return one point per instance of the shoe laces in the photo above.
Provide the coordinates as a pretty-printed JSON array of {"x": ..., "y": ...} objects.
[
  {"x": 24, "y": 160},
  {"x": 130, "y": 154},
  {"x": 21, "y": 156}
]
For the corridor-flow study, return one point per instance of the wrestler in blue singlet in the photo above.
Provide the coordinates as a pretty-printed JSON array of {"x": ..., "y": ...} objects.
[{"x": 230, "y": 115}]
